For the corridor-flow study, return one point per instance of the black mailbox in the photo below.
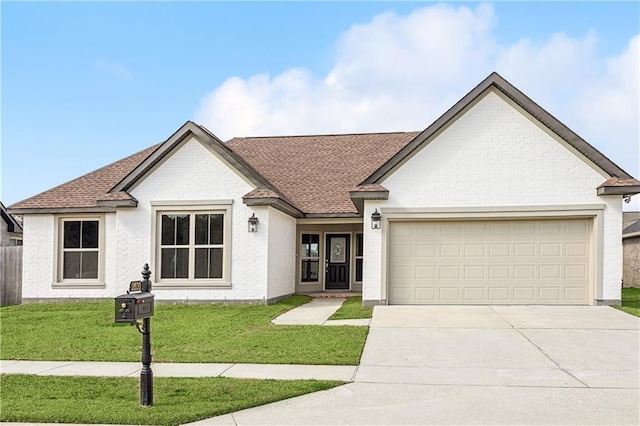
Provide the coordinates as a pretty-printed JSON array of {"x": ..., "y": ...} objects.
[{"x": 134, "y": 306}]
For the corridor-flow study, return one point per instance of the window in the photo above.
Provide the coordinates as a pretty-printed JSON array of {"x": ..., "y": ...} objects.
[
  {"x": 359, "y": 252},
  {"x": 310, "y": 257},
  {"x": 192, "y": 246},
  {"x": 15, "y": 242},
  {"x": 79, "y": 248}
]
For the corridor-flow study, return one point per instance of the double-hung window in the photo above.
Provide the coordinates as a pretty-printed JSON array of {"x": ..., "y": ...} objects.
[
  {"x": 192, "y": 247},
  {"x": 310, "y": 257},
  {"x": 79, "y": 250}
]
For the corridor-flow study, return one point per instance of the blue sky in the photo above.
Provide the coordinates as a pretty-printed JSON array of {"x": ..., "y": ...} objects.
[{"x": 87, "y": 83}]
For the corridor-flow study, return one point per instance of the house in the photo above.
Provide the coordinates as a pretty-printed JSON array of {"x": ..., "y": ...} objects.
[
  {"x": 631, "y": 249},
  {"x": 496, "y": 202},
  {"x": 10, "y": 229}
]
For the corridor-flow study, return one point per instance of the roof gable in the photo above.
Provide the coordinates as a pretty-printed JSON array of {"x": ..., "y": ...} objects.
[{"x": 497, "y": 82}]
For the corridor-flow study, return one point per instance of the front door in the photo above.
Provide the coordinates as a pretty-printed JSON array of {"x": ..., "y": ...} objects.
[{"x": 337, "y": 262}]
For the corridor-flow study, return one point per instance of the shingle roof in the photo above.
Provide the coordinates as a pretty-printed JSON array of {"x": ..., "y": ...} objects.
[
  {"x": 316, "y": 172},
  {"x": 85, "y": 191}
]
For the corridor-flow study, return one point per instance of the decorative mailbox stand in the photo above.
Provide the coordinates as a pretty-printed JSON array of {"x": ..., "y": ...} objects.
[{"x": 137, "y": 307}]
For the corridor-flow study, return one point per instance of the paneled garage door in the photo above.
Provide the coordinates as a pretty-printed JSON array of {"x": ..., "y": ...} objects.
[{"x": 490, "y": 262}]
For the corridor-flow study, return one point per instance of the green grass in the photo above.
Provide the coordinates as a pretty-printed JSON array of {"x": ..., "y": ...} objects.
[
  {"x": 179, "y": 333},
  {"x": 630, "y": 301},
  {"x": 111, "y": 400},
  {"x": 352, "y": 309}
]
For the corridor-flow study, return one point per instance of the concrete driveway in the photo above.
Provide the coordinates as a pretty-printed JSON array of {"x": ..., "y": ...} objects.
[{"x": 481, "y": 365}]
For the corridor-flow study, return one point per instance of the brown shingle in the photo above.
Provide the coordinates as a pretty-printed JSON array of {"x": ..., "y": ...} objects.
[
  {"x": 84, "y": 191},
  {"x": 316, "y": 172}
]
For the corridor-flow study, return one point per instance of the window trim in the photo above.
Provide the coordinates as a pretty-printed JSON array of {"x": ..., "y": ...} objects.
[
  {"x": 58, "y": 281},
  {"x": 192, "y": 208}
]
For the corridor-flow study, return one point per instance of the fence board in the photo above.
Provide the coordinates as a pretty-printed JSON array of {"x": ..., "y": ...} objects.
[{"x": 11, "y": 275}]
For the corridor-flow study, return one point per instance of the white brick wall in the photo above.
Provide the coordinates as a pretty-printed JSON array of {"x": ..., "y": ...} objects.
[
  {"x": 282, "y": 253},
  {"x": 193, "y": 174},
  {"x": 495, "y": 156}
]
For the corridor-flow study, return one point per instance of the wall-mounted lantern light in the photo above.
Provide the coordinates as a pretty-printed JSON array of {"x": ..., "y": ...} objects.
[
  {"x": 253, "y": 223},
  {"x": 375, "y": 220}
]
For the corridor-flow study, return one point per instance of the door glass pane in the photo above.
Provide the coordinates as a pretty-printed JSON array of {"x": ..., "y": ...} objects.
[
  {"x": 338, "y": 250},
  {"x": 202, "y": 229},
  {"x": 182, "y": 229},
  {"x": 215, "y": 263},
  {"x": 217, "y": 229},
  {"x": 168, "y": 230},
  {"x": 89, "y": 264},
  {"x": 71, "y": 265},
  {"x": 202, "y": 263},
  {"x": 90, "y": 234},
  {"x": 72, "y": 234}
]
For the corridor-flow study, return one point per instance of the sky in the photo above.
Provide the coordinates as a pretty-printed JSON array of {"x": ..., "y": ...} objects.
[{"x": 84, "y": 84}]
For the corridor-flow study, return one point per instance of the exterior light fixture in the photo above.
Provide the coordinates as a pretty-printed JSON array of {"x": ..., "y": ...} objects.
[
  {"x": 253, "y": 223},
  {"x": 375, "y": 220}
]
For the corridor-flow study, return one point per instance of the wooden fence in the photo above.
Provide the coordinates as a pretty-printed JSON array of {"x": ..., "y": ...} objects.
[{"x": 10, "y": 275}]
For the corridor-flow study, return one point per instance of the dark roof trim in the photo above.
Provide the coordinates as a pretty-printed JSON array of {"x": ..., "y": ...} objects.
[
  {"x": 188, "y": 129},
  {"x": 12, "y": 223},
  {"x": 332, "y": 215},
  {"x": 117, "y": 203},
  {"x": 495, "y": 80},
  {"x": 275, "y": 202},
  {"x": 618, "y": 190},
  {"x": 64, "y": 210}
]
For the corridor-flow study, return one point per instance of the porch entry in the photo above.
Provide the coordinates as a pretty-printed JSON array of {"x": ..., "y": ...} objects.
[{"x": 337, "y": 261}]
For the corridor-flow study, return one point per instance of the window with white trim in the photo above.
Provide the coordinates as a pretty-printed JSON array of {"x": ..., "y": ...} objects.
[
  {"x": 310, "y": 257},
  {"x": 192, "y": 246},
  {"x": 79, "y": 250}
]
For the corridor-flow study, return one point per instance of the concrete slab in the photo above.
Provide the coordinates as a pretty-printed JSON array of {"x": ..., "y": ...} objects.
[
  {"x": 451, "y": 348},
  {"x": 32, "y": 367},
  {"x": 362, "y": 322},
  {"x": 623, "y": 379},
  {"x": 225, "y": 420},
  {"x": 581, "y": 317},
  {"x": 315, "y": 312},
  {"x": 437, "y": 317},
  {"x": 292, "y": 372},
  {"x": 100, "y": 369},
  {"x": 386, "y": 404},
  {"x": 467, "y": 376},
  {"x": 189, "y": 370}
]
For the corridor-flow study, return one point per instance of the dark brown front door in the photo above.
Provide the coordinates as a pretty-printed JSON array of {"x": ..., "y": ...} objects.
[{"x": 337, "y": 262}]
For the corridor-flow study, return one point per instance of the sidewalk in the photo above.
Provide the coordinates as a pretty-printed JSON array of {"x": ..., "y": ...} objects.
[
  {"x": 317, "y": 312},
  {"x": 344, "y": 373}
]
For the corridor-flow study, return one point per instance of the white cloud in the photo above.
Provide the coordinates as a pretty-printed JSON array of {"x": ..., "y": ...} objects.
[
  {"x": 115, "y": 69},
  {"x": 402, "y": 72}
]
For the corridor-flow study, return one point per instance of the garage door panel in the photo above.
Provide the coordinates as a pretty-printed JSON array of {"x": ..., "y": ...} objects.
[{"x": 490, "y": 262}]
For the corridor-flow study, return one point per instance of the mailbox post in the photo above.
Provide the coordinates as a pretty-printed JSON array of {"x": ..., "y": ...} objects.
[{"x": 137, "y": 307}]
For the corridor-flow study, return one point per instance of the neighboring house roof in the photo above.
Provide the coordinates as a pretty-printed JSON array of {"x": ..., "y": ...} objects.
[
  {"x": 632, "y": 230},
  {"x": 12, "y": 223},
  {"x": 317, "y": 172},
  {"x": 321, "y": 175}
]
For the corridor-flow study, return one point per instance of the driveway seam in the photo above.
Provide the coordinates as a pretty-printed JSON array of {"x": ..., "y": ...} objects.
[{"x": 539, "y": 348}]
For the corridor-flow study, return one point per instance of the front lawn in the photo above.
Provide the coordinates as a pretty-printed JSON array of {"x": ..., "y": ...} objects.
[
  {"x": 352, "y": 309},
  {"x": 630, "y": 301},
  {"x": 179, "y": 333},
  {"x": 111, "y": 400}
]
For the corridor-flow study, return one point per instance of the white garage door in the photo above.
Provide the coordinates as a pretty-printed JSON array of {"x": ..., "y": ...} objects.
[{"x": 490, "y": 262}]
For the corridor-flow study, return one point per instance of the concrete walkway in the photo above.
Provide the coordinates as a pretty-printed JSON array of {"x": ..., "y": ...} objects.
[
  {"x": 344, "y": 373},
  {"x": 317, "y": 312}
]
